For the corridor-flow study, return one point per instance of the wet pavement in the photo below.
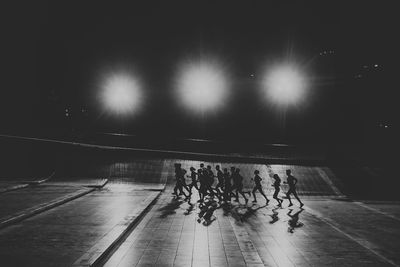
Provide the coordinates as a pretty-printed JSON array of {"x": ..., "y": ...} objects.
[
  {"x": 329, "y": 231},
  {"x": 60, "y": 236},
  {"x": 30, "y": 197},
  {"x": 259, "y": 235},
  {"x": 63, "y": 235},
  {"x": 369, "y": 225}
]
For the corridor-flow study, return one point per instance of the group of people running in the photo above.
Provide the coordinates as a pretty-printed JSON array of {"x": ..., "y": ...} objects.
[{"x": 229, "y": 184}]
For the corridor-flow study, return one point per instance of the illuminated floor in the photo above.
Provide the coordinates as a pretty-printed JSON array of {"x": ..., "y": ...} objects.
[
  {"x": 62, "y": 235},
  {"x": 327, "y": 233},
  {"x": 20, "y": 200},
  {"x": 58, "y": 237},
  {"x": 330, "y": 231}
]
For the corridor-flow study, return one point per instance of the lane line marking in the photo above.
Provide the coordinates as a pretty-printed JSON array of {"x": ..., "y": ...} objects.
[
  {"x": 362, "y": 242},
  {"x": 376, "y": 210}
]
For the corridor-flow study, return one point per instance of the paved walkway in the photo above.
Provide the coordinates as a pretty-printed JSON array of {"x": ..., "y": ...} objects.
[
  {"x": 29, "y": 197},
  {"x": 71, "y": 233},
  {"x": 58, "y": 237},
  {"x": 258, "y": 235},
  {"x": 375, "y": 227},
  {"x": 327, "y": 232}
]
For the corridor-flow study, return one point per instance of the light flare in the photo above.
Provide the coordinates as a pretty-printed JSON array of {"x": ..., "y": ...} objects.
[
  {"x": 121, "y": 93},
  {"x": 202, "y": 86},
  {"x": 285, "y": 84}
]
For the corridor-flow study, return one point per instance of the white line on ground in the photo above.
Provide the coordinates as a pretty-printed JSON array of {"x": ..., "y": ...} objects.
[
  {"x": 376, "y": 210},
  {"x": 362, "y": 242}
]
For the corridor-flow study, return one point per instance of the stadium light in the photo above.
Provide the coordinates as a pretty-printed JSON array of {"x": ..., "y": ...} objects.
[
  {"x": 202, "y": 86},
  {"x": 120, "y": 93},
  {"x": 285, "y": 84}
]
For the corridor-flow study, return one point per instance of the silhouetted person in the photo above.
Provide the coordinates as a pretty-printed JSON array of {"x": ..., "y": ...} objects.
[
  {"x": 233, "y": 170},
  {"x": 202, "y": 173},
  {"x": 180, "y": 181},
  {"x": 193, "y": 176},
  {"x": 277, "y": 186},
  {"x": 203, "y": 184},
  {"x": 227, "y": 185},
  {"x": 220, "y": 177},
  {"x": 257, "y": 186},
  {"x": 210, "y": 179},
  {"x": 202, "y": 166},
  {"x": 238, "y": 185},
  {"x": 294, "y": 220},
  {"x": 177, "y": 187},
  {"x": 210, "y": 175},
  {"x": 292, "y": 181},
  {"x": 233, "y": 185}
]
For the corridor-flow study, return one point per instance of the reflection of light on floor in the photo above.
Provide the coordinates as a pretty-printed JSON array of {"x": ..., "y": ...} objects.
[
  {"x": 200, "y": 250},
  {"x": 276, "y": 236},
  {"x": 175, "y": 229},
  {"x": 122, "y": 207},
  {"x": 120, "y": 200}
]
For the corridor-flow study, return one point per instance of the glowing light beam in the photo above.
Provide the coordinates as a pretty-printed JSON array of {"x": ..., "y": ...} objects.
[
  {"x": 285, "y": 84},
  {"x": 121, "y": 94},
  {"x": 202, "y": 86}
]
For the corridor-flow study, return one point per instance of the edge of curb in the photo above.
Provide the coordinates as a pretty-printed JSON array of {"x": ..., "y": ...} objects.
[
  {"x": 120, "y": 239},
  {"x": 37, "y": 182},
  {"x": 41, "y": 209},
  {"x": 48, "y": 206},
  {"x": 26, "y": 184},
  {"x": 98, "y": 258},
  {"x": 99, "y": 185},
  {"x": 13, "y": 188}
]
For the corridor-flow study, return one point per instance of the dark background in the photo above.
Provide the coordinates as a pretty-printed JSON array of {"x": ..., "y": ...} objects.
[{"x": 53, "y": 53}]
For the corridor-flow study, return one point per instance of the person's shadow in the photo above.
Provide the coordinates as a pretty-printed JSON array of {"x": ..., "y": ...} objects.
[
  {"x": 170, "y": 208},
  {"x": 227, "y": 209},
  {"x": 243, "y": 214},
  {"x": 206, "y": 214},
  {"x": 189, "y": 209},
  {"x": 274, "y": 216},
  {"x": 294, "y": 220}
]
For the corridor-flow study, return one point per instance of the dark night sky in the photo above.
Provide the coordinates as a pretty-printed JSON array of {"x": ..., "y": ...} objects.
[{"x": 53, "y": 53}]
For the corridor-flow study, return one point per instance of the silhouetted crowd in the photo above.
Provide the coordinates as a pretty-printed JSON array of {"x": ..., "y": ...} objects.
[{"x": 229, "y": 185}]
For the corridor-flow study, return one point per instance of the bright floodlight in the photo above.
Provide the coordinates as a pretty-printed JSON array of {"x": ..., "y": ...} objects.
[
  {"x": 285, "y": 85},
  {"x": 202, "y": 86},
  {"x": 120, "y": 94}
]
